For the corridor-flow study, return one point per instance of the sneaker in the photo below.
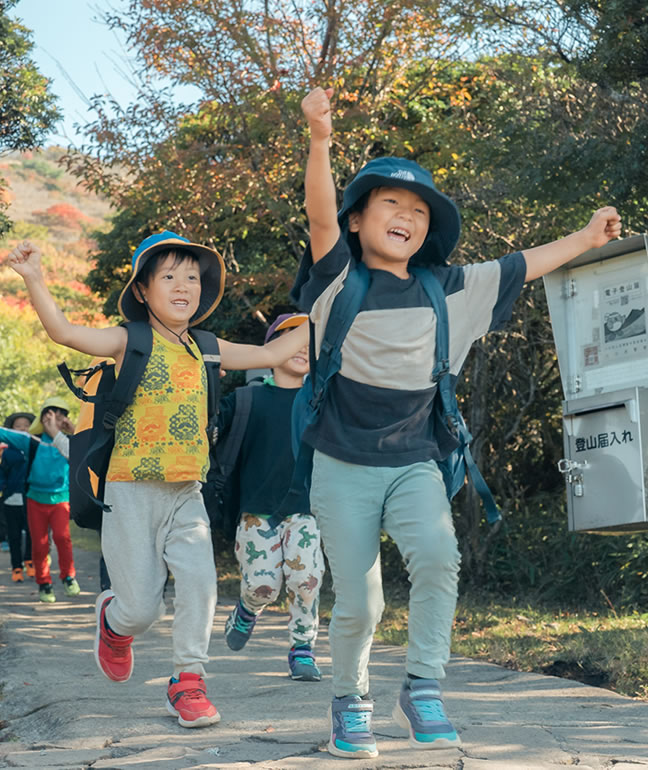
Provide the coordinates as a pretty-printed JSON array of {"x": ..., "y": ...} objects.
[
  {"x": 71, "y": 587},
  {"x": 4, "y": 546},
  {"x": 351, "y": 734},
  {"x": 420, "y": 711},
  {"x": 239, "y": 627},
  {"x": 187, "y": 700},
  {"x": 301, "y": 662},
  {"x": 112, "y": 651},
  {"x": 46, "y": 593},
  {"x": 17, "y": 575},
  {"x": 29, "y": 568}
]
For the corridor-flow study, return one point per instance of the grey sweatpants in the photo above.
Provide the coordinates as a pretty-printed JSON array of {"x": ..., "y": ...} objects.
[
  {"x": 155, "y": 525},
  {"x": 352, "y": 504}
]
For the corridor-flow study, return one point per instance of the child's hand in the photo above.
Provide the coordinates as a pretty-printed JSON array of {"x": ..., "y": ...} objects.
[
  {"x": 25, "y": 259},
  {"x": 604, "y": 225},
  {"x": 317, "y": 111},
  {"x": 50, "y": 423},
  {"x": 66, "y": 425}
]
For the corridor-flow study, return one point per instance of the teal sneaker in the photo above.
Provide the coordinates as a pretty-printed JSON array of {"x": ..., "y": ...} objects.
[
  {"x": 71, "y": 587},
  {"x": 351, "y": 735},
  {"x": 420, "y": 711},
  {"x": 301, "y": 663},
  {"x": 239, "y": 627}
]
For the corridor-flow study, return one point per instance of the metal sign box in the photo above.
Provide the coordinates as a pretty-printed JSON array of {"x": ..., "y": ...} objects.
[{"x": 597, "y": 304}]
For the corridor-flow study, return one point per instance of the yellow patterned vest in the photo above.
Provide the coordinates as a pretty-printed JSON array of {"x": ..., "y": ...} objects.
[{"x": 162, "y": 435}]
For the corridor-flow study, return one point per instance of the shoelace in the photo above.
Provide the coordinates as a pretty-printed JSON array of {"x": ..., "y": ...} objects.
[
  {"x": 307, "y": 660},
  {"x": 192, "y": 694},
  {"x": 430, "y": 710},
  {"x": 356, "y": 721}
]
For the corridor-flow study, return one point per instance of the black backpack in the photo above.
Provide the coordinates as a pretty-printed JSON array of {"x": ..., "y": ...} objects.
[
  {"x": 107, "y": 397},
  {"x": 221, "y": 491}
]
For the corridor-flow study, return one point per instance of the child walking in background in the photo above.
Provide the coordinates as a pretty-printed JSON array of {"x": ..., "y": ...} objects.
[
  {"x": 48, "y": 506},
  {"x": 13, "y": 466},
  {"x": 54, "y": 425},
  {"x": 376, "y": 442},
  {"x": 290, "y": 551},
  {"x": 158, "y": 520}
]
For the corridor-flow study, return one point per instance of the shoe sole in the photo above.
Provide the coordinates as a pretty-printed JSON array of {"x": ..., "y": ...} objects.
[
  {"x": 200, "y": 722},
  {"x": 98, "y": 605},
  {"x": 305, "y": 678},
  {"x": 47, "y": 601},
  {"x": 333, "y": 749},
  {"x": 401, "y": 720}
]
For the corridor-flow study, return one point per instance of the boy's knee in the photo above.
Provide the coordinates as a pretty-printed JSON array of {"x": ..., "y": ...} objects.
[
  {"x": 434, "y": 555},
  {"x": 362, "y": 616}
]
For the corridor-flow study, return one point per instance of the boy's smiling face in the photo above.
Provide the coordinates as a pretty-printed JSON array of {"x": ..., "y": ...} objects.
[
  {"x": 173, "y": 292},
  {"x": 391, "y": 228}
]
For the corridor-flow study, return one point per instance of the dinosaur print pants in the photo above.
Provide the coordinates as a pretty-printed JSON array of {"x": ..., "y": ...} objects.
[{"x": 291, "y": 552}]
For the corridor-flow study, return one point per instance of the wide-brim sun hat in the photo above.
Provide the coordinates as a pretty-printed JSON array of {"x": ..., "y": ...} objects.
[
  {"x": 445, "y": 221},
  {"x": 284, "y": 321},
  {"x": 11, "y": 419},
  {"x": 212, "y": 275},
  {"x": 55, "y": 402}
]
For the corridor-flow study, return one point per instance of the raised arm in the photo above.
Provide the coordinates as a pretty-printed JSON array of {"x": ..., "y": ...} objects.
[
  {"x": 237, "y": 356},
  {"x": 321, "y": 205},
  {"x": 25, "y": 259},
  {"x": 604, "y": 225}
]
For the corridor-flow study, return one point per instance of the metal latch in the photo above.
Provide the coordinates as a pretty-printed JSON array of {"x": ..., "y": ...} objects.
[{"x": 572, "y": 471}]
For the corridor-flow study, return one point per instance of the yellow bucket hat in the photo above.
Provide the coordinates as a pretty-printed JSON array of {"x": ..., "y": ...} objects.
[{"x": 55, "y": 402}]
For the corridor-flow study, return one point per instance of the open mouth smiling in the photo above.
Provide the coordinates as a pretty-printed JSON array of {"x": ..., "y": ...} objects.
[{"x": 398, "y": 234}]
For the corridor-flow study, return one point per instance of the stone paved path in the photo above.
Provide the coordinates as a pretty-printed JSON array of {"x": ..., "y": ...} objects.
[{"x": 57, "y": 711}]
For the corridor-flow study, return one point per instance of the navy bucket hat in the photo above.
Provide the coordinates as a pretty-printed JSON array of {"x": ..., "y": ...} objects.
[
  {"x": 445, "y": 222},
  {"x": 212, "y": 275}
]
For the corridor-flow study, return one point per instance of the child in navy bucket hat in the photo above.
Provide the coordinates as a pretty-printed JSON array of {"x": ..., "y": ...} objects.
[
  {"x": 158, "y": 522},
  {"x": 376, "y": 443}
]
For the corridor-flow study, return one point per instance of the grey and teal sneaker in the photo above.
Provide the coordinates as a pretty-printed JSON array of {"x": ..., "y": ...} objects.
[
  {"x": 301, "y": 662},
  {"x": 239, "y": 627},
  {"x": 351, "y": 735},
  {"x": 71, "y": 587},
  {"x": 420, "y": 711}
]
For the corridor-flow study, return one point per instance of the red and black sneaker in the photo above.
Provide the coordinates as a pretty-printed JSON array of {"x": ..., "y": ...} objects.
[
  {"x": 187, "y": 700},
  {"x": 112, "y": 652}
]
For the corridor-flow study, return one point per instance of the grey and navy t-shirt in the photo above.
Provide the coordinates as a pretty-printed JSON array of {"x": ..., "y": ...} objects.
[{"x": 377, "y": 409}]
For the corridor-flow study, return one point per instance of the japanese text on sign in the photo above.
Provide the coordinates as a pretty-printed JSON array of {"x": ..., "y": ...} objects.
[{"x": 602, "y": 440}]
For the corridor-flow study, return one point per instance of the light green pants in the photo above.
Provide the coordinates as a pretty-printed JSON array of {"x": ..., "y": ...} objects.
[{"x": 352, "y": 503}]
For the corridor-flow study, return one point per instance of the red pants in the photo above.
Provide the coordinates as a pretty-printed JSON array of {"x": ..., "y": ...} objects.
[{"x": 41, "y": 518}]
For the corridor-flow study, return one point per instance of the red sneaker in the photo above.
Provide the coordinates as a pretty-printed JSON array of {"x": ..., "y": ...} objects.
[
  {"x": 112, "y": 652},
  {"x": 187, "y": 700}
]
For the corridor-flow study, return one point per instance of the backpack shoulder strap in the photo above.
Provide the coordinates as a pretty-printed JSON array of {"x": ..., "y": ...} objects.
[
  {"x": 440, "y": 375},
  {"x": 345, "y": 308},
  {"x": 227, "y": 451},
  {"x": 136, "y": 356},
  {"x": 208, "y": 345},
  {"x": 31, "y": 454}
]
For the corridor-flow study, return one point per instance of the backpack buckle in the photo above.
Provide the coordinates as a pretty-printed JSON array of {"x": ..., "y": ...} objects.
[
  {"x": 441, "y": 369},
  {"x": 109, "y": 420}
]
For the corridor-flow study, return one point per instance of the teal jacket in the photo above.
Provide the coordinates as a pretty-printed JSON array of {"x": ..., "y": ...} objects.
[{"x": 49, "y": 477}]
